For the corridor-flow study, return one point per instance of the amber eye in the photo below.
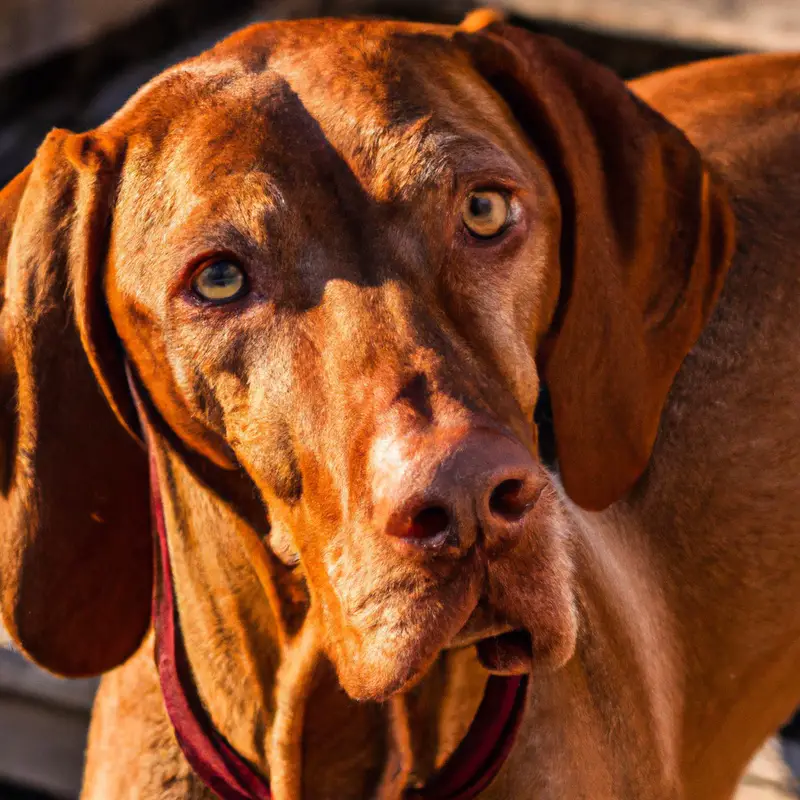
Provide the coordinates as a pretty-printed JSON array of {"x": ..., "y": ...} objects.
[
  {"x": 486, "y": 213},
  {"x": 220, "y": 282}
]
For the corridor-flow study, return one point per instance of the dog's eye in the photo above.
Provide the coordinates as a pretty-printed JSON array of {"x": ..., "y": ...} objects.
[
  {"x": 220, "y": 282},
  {"x": 486, "y": 213}
]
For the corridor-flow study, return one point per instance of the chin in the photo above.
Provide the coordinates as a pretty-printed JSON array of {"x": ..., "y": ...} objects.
[{"x": 379, "y": 664}]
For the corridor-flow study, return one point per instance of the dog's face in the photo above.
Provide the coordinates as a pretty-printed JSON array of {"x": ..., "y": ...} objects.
[
  {"x": 339, "y": 273},
  {"x": 341, "y": 257}
]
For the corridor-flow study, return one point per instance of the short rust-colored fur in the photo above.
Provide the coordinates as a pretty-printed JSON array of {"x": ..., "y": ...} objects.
[{"x": 649, "y": 279}]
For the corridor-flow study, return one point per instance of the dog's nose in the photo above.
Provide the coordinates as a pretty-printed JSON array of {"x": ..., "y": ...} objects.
[{"x": 480, "y": 487}]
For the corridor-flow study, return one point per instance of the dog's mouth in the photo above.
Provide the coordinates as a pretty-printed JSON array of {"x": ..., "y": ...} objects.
[
  {"x": 507, "y": 654},
  {"x": 502, "y": 648}
]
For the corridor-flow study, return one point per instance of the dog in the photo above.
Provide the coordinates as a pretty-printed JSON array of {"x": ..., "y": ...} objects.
[{"x": 296, "y": 306}]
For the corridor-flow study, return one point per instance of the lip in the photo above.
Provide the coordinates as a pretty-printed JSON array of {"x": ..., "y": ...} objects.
[
  {"x": 502, "y": 648},
  {"x": 483, "y": 623},
  {"x": 510, "y": 653}
]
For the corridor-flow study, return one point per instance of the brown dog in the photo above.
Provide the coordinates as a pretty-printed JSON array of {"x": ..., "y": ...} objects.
[{"x": 339, "y": 260}]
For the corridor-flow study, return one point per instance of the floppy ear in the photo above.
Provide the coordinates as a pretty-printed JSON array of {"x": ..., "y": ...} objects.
[
  {"x": 75, "y": 544},
  {"x": 647, "y": 237}
]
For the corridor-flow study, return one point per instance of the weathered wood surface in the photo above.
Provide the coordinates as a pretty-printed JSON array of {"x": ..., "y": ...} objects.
[
  {"x": 747, "y": 24},
  {"x": 41, "y": 747},
  {"x": 20, "y": 677},
  {"x": 32, "y": 29},
  {"x": 43, "y": 726},
  {"x": 767, "y": 778}
]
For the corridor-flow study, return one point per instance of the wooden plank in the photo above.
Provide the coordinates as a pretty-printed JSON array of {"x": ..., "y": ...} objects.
[
  {"x": 767, "y": 778},
  {"x": 33, "y": 29},
  {"x": 745, "y": 24},
  {"x": 20, "y": 677},
  {"x": 41, "y": 746},
  {"x": 44, "y": 721}
]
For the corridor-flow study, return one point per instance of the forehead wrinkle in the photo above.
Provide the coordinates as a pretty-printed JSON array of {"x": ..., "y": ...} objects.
[
  {"x": 393, "y": 149},
  {"x": 409, "y": 159},
  {"x": 399, "y": 124},
  {"x": 193, "y": 80},
  {"x": 242, "y": 203},
  {"x": 406, "y": 169},
  {"x": 378, "y": 129},
  {"x": 181, "y": 197}
]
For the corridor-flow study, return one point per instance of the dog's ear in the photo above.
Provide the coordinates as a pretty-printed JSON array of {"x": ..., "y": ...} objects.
[
  {"x": 75, "y": 544},
  {"x": 647, "y": 237},
  {"x": 480, "y": 18}
]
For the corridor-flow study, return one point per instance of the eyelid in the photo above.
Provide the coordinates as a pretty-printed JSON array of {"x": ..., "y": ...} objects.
[
  {"x": 487, "y": 181},
  {"x": 183, "y": 281},
  {"x": 507, "y": 196},
  {"x": 488, "y": 188}
]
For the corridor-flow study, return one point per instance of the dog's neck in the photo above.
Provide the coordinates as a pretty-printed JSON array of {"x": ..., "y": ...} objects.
[
  {"x": 664, "y": 698},
  {"x": 256, "y": 660},
  {"x": 236, "y": 636},
  {"x": 647, "y": 666}
]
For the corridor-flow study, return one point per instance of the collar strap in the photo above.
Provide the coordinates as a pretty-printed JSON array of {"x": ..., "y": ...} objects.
[{"x": 468, "y": 771}]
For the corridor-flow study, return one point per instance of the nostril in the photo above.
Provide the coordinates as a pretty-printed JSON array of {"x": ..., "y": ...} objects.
[
  {"x": 509, "y": 500},
  {"x": 427, "y": 523}
]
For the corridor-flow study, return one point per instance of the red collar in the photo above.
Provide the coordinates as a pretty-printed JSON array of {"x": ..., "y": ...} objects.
[{"x": 470, "y": 769}]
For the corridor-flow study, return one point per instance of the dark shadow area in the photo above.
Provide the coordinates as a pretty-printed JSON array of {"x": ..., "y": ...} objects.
[
  {"x": 81, "y": 88},
  {"x": 9, "y": 791},
  {"x": 78, "y": 89},
  {"x": 789, "y": 737}
]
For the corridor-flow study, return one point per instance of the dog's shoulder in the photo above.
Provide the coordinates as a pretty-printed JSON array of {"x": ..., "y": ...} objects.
[
  {"x": 132, "y": 748},
  {"x": 733, "y": 404},
  {"x": 743, "y": 115},
  {"x": 741, "y": 112},
  {"x": 746, "y": 88}
]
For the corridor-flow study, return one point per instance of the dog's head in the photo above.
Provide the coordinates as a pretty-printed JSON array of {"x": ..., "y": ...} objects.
[{"x": 343, "y": 258}]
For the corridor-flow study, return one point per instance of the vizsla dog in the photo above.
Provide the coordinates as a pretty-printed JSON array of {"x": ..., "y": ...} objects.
[{"x": 303, "y": 297}]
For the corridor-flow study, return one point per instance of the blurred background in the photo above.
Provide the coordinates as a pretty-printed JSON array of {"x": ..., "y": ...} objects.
[{"x": 72, "y": 63}]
